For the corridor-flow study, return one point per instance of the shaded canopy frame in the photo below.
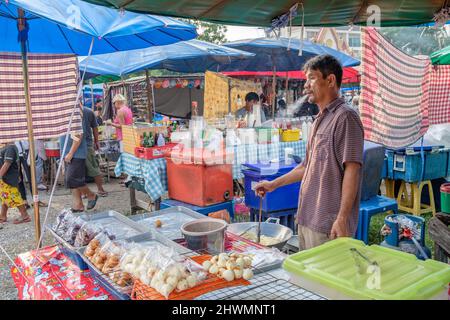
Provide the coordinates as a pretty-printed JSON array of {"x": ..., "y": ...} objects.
[{"x": 262, "y": 13}]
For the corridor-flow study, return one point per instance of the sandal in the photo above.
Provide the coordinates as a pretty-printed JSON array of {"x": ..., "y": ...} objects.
[
  {"x": 76, "y": 210},
  {"x": 102, "y": 194},
  {"x": 22, "y": 220},
  {"x": 3, "y": 220},
  {"x": 91, "y": 203}
]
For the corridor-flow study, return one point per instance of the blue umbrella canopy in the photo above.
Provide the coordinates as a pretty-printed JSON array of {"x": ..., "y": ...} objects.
[
  {"x": 188, "y": 56},
  {"x": 67, "y": 26},
  {"x": 274, "y": 54}
]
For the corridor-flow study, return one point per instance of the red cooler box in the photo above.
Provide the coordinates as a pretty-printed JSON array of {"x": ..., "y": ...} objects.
[{"x": 200, "y": 182}]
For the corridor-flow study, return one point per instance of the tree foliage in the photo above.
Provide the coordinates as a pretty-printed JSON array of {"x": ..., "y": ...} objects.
[
  {"x": 210, "y": 32},
  {"x": 417, "y": 40}
]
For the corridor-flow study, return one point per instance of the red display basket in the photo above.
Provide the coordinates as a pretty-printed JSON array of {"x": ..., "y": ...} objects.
[
  {"x": 52, "y": 153},
  {"x": 153, "y": 153}
]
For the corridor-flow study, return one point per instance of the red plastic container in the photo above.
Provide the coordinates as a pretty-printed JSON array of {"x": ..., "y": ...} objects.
[
  {"x": 52, "y": 153},
  {"x": 153, "y": 153},
  {"x": 199, "y": 183}
]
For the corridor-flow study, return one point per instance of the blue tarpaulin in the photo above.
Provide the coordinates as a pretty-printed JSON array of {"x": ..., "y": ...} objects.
[
  {"x": 282, "y": 54},
  {"x": 67, "y": 26},
  {"x": 189, "y": 56}
]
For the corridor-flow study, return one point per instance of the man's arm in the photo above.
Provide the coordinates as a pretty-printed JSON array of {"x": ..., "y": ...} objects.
[
  {"x": 75, "y": 145},
  {"x": 4, "y": 169},
  {"x": 350, "y": 186},
  {"x": 95, "y": 132},
  {"x": 294, "y": 175}
]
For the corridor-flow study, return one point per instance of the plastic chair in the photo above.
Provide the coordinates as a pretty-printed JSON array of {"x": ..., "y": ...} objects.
[
  {"x": 369, "y": 208},
  {"x": 229, "y": 206}
]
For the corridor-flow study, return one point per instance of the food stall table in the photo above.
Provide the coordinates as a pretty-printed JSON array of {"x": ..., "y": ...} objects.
[
  {"x": 52, "y": 276},
  {"x": 154, "y": 172}
]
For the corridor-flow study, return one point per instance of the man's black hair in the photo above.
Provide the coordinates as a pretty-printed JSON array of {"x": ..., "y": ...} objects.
[
  {"x": 251, "y": 96},
  {"x": 326, "y": 64}
]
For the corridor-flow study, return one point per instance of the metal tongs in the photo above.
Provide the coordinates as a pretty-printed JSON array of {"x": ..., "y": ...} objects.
[
  {"x": 258, "y": 237},
  {"x": 357, "y": 256}
]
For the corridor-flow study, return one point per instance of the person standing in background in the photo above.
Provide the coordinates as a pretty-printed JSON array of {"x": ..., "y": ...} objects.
[
  {"x": 9, "y": 181},
  {"x": 98, "y": 111},
  {"x": 90, "y": 130},
  {"x": 124, "y": 116}
]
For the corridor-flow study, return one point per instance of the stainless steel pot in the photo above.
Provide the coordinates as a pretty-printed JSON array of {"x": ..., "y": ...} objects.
[
  {"x": 51, "y": 145},
  {"x": 274, "y": 230},
  {"x": 205, "y": 234}
]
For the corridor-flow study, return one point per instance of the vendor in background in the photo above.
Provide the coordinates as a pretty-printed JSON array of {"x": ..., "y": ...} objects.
[
  {"x": 124, "y": 116},
  {"x": 331, "y": 172},
  {"x": 98, "y": 111},
  {"x": 247, "y": 115},
  {"x": 9, "y": 181},
  {"x": 265, "y": 106}
]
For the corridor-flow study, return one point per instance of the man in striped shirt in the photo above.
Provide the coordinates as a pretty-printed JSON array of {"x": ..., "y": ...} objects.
[{"x": 331, "y": 172}]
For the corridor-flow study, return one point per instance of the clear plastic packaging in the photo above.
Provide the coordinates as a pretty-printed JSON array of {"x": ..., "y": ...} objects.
[
  {"x": 93, "y": 250},
  {"x": 86, "y": 233},
  {"x": 74, "y": 225},
  {"x": 62, "y": 222}
]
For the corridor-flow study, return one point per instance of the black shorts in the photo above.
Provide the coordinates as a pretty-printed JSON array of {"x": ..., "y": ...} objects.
[{"x": 76, "y": 173}]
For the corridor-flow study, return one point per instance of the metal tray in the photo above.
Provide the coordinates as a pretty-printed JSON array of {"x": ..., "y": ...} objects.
[
  {"x": 172, "y": 219},
  {"x": 112, "y": 220},
  {"x": 123, "y": 293}
]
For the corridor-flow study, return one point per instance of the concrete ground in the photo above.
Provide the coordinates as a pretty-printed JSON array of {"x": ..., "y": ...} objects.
[{"x": 16, "y": 239}]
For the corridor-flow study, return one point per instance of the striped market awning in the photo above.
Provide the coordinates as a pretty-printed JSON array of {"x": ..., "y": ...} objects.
[{"x": 53, "y": 92}]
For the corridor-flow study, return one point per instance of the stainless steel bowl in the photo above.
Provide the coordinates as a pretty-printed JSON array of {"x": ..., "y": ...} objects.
[
  {"x": 205, "y": 234},
  {"x": 274, "y": 230}
]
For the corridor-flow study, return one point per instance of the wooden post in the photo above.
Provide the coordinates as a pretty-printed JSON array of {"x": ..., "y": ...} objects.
[
  {"x": 150, "y": 106},
  {"x": 26, "y": 85}
]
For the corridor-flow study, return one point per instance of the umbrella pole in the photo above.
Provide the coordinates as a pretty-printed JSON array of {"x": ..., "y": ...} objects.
[
  {"x": 274, "y": 85},
  {"x": 92, "y": 94},
  {"x": 287, "y": 87},
  {"x": 149, "y": 97},
  {"x": 37, "y": 223}
]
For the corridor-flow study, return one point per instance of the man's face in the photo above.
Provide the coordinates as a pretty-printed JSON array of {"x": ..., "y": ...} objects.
[{"x": 316, "y": 86}]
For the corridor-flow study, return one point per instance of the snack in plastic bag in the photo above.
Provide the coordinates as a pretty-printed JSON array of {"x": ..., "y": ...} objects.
[
  {"x": 93, "y": 250},
  {"x": 75, "y": 224},
  {"x": 165, "y": 271},
  {"x": 86, "y": 233},
  {"x": 62, "y": 222}
]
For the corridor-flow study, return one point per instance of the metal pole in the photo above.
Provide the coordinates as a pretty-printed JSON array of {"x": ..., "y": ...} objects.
[
  {"x": 287, "y": 87},
  {"x": 149, "y": 97},
  {"x": 274, "y": 85},
  {"x": 92, "y": 94},
  {"x": 37, "y": 223}
]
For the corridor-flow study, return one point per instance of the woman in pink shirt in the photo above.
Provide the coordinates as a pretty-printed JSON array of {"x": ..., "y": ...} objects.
[{"x": 124, "y": 116}]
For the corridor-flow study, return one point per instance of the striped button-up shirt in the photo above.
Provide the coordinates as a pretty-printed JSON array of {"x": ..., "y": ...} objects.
[{"x": 337, "y": 137}]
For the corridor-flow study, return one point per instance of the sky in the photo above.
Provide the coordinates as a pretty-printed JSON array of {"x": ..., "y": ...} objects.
[{"x": 238, "y": 33}]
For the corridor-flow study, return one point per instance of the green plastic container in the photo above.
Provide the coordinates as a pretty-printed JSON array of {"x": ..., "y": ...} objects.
[
  {"x": 331, "y": 270},
  {"x": 445, "y": 198}
]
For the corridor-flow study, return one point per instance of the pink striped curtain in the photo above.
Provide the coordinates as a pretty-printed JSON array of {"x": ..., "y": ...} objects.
[
  {"x": 53, "y": 91},
  {"x": 395, "y": 91}
]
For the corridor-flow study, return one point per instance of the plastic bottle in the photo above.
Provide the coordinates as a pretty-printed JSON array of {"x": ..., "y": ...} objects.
[
  {"x": 161, "y": 142},
  {"x": 305, "y": 130}
]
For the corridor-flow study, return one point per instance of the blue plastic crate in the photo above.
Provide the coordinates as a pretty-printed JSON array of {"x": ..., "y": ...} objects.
[
  {"x": 393, "y": 238},
  {"x": 283, "y": 198},
  {"x": 407, "y": 165}
]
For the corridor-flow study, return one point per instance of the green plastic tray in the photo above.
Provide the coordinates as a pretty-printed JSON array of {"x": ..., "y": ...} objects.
[{"x": 402, "y": 276}]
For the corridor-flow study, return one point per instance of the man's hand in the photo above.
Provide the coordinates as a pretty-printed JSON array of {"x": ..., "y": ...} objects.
[
  {"x": 263, "y": 187},
  {"x": 68, "y": 157},
  {"x": 96, "y": 146},
  {"x": 109, "y": 122},
  {"x": 339, "y": 228}
]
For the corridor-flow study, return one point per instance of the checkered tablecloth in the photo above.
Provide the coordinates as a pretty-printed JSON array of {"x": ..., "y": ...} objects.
[{"x": 154, "y": 172}]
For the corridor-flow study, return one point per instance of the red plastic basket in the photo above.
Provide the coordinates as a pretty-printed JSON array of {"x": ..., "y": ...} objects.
[
  {"x": 52, "y": 153},
  {"x": 153, "y": 153}
]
